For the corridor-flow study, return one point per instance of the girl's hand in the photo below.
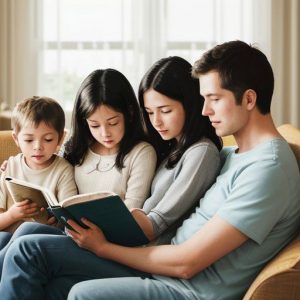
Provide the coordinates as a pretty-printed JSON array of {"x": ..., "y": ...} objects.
[
  {"x": 144, "y": 222},
  {"x": 52, "y": 221},
  {"x": 91, "y": 238},
  {"x": 23, "y": 209}
]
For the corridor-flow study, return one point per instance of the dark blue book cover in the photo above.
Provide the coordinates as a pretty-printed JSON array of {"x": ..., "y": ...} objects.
[{"x": 110, "y": 214}]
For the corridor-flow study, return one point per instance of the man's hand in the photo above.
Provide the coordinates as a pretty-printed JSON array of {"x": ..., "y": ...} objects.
[{"x": 91, "y": 238}]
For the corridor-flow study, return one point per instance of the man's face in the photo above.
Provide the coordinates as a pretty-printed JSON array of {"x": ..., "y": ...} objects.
[{"x": 220, "y": 106}]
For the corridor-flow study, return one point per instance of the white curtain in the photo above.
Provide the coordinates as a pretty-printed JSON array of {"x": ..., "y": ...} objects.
[
  {"x": 18, "y": 50},
  {"x": 149, "y": 42},
  {"x": 285, "y": 50}
]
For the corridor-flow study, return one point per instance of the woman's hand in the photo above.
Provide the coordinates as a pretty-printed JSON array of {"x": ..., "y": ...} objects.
[
  {"x": 23, "y": 209},
  {"x": 91, "y": 238},
  {"x": 52, "y": 221},
  {"x": 144, "y": 222}
]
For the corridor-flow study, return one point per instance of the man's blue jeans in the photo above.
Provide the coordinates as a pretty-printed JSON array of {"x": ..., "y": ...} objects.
[
  {"x": 126, "y": 288},
  {"x": 47, "y": 266}
]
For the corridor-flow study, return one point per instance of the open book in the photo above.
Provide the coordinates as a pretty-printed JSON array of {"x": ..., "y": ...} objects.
[{"x": 105, "y": 209}]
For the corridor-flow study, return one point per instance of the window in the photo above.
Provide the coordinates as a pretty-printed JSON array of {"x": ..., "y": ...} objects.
[{"x": 77, "y": 37}]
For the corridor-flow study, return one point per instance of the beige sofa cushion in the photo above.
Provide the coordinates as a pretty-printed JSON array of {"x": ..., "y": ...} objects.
[
  {"x": 7, "y": 145},
  {"x": 292, "y": 135},
  {"x": 280, "y": 279}
]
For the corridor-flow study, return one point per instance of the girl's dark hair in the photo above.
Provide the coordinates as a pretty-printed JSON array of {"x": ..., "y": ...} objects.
[
  {"x": 171, "y": 77},
  {"x": 104, "y": 87}
]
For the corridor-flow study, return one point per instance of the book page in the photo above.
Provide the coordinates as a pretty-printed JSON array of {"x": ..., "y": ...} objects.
[
  {"x": 85, "y": 198},
  {"x": 21, "y": 190},
  {"x": 20, "y": 193}
]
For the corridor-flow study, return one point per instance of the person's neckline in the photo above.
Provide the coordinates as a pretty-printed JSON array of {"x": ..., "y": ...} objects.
[
  {"x": 262, "y": 144},
  {"x": 102, "y": 155}
]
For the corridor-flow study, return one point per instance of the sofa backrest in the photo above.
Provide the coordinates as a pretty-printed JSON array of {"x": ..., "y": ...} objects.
[
  {"x": 292, "y": 135},
  {"x": 7, "y": 145},
  {"x": 9, "y": 148}
]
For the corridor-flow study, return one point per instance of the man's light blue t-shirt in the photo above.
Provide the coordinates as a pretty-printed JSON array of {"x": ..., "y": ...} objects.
[{"x": 257, "y": 192}]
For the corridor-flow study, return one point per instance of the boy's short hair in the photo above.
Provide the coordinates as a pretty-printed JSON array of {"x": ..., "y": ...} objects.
[{"x": 35, "y": 110}]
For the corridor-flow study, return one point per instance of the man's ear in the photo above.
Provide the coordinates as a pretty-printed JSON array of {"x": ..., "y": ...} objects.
[
  {"x": 250, "y": 99},
  {"x": 15, "y": 138}
]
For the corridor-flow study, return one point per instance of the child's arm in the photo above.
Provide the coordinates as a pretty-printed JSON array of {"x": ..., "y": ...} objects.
[
  {"x": 66, "y": 186},
  {"x": 193, "y": 175},
  {"x": 142, "y": 170},
  {"x": 18, "y": 211},
  {"x": 144, "y": 222}
]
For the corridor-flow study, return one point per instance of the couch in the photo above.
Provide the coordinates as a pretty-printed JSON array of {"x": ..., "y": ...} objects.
[
  {"x": 280, "y": 279},
  {"x": 7, "y": 145},
  {"x": 5, "y": 119}
]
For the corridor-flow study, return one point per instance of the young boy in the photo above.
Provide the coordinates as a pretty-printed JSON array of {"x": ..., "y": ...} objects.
[{"x": 38, "y": 130}]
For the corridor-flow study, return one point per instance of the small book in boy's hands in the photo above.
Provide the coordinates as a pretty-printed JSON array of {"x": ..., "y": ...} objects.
[{"x": 105, "y": 209}]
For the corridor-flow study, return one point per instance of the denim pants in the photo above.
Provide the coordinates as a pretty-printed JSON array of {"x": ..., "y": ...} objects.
[
  {"x": 4, "y": 238},
  {"x": 126, "y": 288},
  {"x": 25, "y": 228},
  {"x": 47, "y": 266}
]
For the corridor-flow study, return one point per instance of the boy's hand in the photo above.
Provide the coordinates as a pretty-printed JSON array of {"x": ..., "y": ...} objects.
[{"x": 23, "y": 209}]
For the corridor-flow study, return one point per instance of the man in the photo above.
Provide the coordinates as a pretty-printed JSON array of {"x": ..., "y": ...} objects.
[{"x": 247, "y": 216}]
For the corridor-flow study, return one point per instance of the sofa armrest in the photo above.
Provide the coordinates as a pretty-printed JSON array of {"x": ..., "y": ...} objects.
[
  {"x": 280, "y": 279},
  {"x": 7, "y": 145}
]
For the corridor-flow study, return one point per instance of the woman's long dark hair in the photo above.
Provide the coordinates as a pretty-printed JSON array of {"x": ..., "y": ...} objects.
[
  {"x": 171, "y": 77},
  {"x": 104, "y": 87}
]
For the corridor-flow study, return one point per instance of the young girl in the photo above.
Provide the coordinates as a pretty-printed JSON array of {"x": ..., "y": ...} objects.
[
  {"x": 189, "y": 154},
  {"x": 107, "y": 144}
]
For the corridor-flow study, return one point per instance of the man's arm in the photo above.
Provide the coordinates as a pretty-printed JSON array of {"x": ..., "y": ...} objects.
[{"x": 216, "y": 239}]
